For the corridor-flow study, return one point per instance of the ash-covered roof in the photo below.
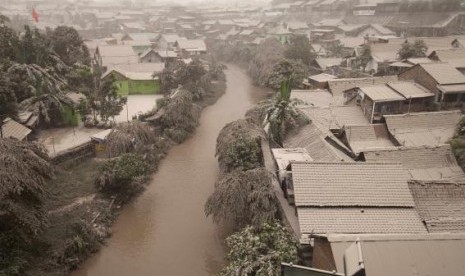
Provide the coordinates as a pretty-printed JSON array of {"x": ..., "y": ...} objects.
[{"x": 367, "y": 137}]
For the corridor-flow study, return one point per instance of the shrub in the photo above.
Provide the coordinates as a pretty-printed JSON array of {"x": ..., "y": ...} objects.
[
  {"x": 116, "y": 176},
  {"x": 244, "y": 154}
]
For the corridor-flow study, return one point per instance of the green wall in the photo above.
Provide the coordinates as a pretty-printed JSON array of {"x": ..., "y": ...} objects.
[{"x": 134, "y": 87}]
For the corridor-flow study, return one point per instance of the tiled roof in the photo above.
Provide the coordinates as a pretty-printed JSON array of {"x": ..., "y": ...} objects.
[
  {"x": 313, "y": 140},
  {"x": 422, "y": 163},
  {"x": 367, "y": 137},
  {"x": 348, "y": 115},
  {"x": 13, "y": 129},
  {"x": 350, "y": 185},
  {"x": 359, "y": 220},
  {"x": 423, "y": 128},
  {"x": 316, "y": 98},
  {"x": 440, "y": 205}
]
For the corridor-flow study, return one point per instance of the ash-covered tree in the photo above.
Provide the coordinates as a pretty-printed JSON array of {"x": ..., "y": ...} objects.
[
  {"x": 299, "y": 49},
  {"x": 413, "y": 50},
  {"x": 110, "y": 103},
  {"x": 8, "y": 101},
  {"x": 238, "y": 146},
  {"x": 9, "y": 41},
  {"x": 282, "y": 113},
  {"x": 284, "y": 70},
  {"x": 259, "y": 251},
  {"x": 365, "y": 57},
  {"x": 69, "y": 46},
  {"x": 242, "y": 198},
  {"x": 129, "y": 137},
  {"x": 24, "y": 172}
]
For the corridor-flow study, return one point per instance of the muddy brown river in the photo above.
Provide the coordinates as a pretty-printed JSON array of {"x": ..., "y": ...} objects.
[{"x": 164, "y": 231}]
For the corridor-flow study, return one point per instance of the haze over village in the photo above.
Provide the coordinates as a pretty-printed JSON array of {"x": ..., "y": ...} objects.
[{"x": 232, "y": 138}]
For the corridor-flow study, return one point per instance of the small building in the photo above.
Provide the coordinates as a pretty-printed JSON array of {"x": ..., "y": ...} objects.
[
  {"x": 444, "y": 80},
  {"x": 391, "y": 254},
  {"x": 136, "y": 78},
  {"x": 321, "y": 80},
  {"x": 361, "y": 138},
  {"x": 191, "y": 47},
  {"x": 12, "y": 129},
  {"x": 99, "y": 140}
]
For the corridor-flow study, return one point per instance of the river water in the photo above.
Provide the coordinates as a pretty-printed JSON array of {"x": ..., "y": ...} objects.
[{"x": 164, "y": 231}]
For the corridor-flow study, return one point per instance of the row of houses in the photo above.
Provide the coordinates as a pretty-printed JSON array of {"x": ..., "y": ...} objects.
[{"x": 373, "y": 172}]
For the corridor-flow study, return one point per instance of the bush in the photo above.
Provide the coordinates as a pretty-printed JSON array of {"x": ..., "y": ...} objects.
[{"x": 116, "y": 176}]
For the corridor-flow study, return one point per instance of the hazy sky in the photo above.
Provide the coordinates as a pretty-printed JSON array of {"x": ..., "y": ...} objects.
[{"x": 230, "y": 2}]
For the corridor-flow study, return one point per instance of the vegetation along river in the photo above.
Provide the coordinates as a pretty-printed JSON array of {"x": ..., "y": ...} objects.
[{"x": 165, "y": 231}]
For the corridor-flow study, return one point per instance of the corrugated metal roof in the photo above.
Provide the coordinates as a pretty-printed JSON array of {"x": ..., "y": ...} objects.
[
  {"x": 410, "y": 90},
  {"x": 444, "y": 73},
  {"x": 423, "y": 128},
  {"x": 350, "y": 184},
  {"x": 381, "y": 93},
  {"x": 452, "y": 88},
  {"x": 13, "y": 129},
  {"x": 367, "y": 137},
  {"x": 359, "y": 220},
  {"x": 400, "y": 254},
  {"x": 441, "y": 205},
  {"x": 422, "y": 163}
]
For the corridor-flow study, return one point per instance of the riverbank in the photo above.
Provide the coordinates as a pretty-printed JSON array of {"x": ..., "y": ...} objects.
[
  {"x": 165, "y": 231},
  {"x": 80, "y": 218}
]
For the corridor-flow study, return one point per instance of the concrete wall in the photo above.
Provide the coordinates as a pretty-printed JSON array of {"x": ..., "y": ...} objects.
[
  {"x": 76, "y": 153},
  {"x": 137, "y": 87},
  {"x": 323, "y": 255}
]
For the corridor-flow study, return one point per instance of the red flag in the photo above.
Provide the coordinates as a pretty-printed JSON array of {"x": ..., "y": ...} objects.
[{"x": 35, "y": 15}]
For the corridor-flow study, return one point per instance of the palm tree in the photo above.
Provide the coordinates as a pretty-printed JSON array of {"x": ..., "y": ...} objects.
[{"x": 282, "y": 114}]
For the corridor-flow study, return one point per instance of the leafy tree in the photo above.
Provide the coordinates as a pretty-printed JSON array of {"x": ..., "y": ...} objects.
[
  {"x": 261, "y": 61},
  {"x": 243, "y": 197},
  {"x": 336, "y": 49},
  {"x": 260, "y": 251},
  {"x": 299, "y": 49},
  {"x": 409, "y": 50},
  {"x": 364, "y": 57},
  {"x": 282, "y": 114},
  {"x": 110, "y": 103},
  {"x": 69, "y": 46},
  {"x": 238, "y": 146},
  {"x": 180, "y": 116},
  {"x": 8, "y": 102},
  {"x": 284, "y": 70},
  {"x": 9, "y": 41},
  {"x": 24, "y": 171},
  {"x": 117, "y": 176}
]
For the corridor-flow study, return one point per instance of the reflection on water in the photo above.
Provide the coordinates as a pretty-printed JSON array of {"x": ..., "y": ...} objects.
[{"x": 164, "y": 231}]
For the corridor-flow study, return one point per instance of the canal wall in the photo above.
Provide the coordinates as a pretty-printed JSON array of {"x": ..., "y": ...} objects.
[{"x": 74, "y": 154}]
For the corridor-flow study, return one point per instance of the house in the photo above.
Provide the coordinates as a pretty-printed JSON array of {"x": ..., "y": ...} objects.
[
  {"x": 136, "y": 78},
  {"x": 390, "y": 98},
  {"x": 361, "y": 138},
  {"x": 440, "y": 204},
  {"x": 315, "y": 98},
  {"x": 444, "y": 80},
  {"x": 423, "y": 128},
  {"x": 391, "y": 254},
  {"x": 327, "y": 63},
  {"x": 154, "y": 56},
  {"x": 353, "y": 198},
  {"x": 12, "y": 129},
  {"x": 321, "y": 80},
  {"x": 191, "y": 47},
  {"x": 375, "y": 30},
  {"x": 113, "y": 55},
  {"x": 168, "y": 41},
  {"x": 423, "y": 163},
  {"x": 280, "y": 33}
]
